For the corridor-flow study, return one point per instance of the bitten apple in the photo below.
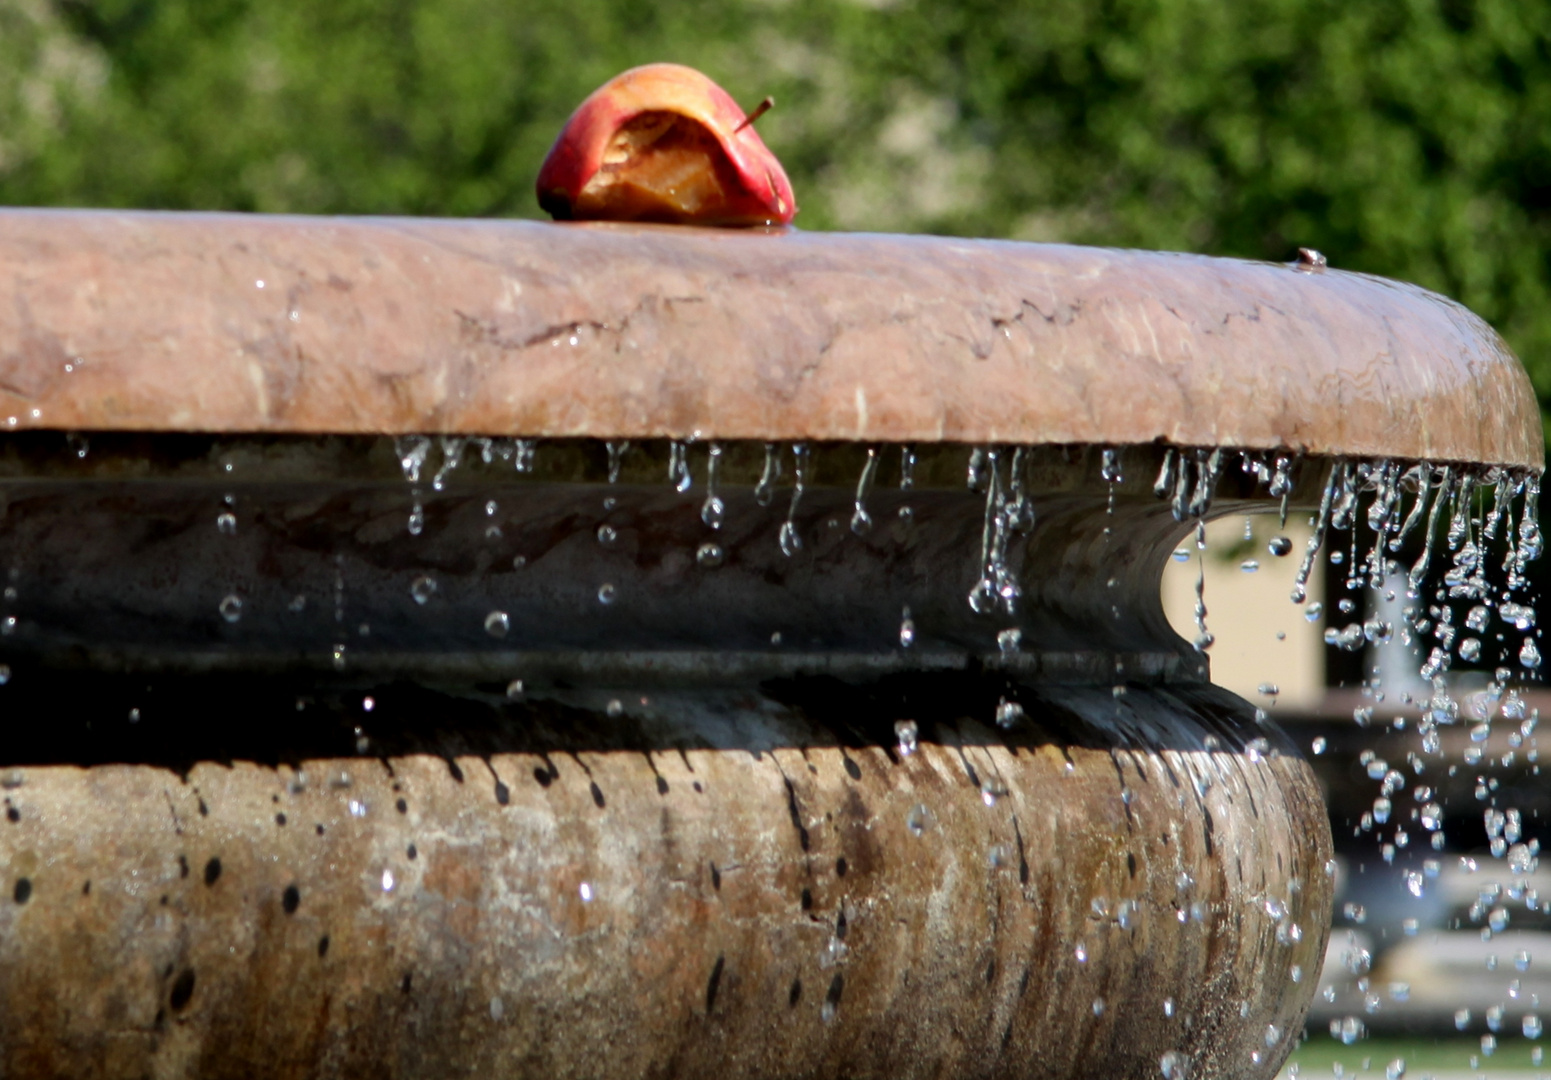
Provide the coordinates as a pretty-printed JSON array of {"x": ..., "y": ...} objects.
[{"x": 664, "y": 143}]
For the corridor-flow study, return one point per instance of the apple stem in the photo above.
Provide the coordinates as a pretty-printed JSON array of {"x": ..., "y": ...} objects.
[{"x": 759, "y": 110}]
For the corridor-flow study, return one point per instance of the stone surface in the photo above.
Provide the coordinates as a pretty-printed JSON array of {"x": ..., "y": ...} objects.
[
  {"x": 139, "y": 321},
  {"x": 713, "y": 883}
]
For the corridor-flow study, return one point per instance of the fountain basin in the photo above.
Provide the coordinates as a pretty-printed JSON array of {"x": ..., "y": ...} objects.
[{"x": 909, "y": 776}]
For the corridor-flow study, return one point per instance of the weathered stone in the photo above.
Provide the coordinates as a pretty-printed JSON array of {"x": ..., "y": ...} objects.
[{"x": 204, "y": 322}]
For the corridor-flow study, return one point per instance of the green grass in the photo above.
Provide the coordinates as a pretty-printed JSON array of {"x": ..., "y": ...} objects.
[{"x": 1366, "y": 1058}]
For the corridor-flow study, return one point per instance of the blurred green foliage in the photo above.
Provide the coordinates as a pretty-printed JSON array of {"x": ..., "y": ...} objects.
[{"x": 1410, "y": 138}]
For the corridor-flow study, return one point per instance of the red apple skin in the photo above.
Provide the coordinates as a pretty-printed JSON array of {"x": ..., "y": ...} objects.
[{"x": 662, "y": 143}]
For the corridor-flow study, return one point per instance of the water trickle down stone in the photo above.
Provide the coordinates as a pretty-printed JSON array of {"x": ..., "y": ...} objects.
[
  {"x": 412, "y": 451},
  {"x": 1008, "y": 510},
  {"x": 1164, "y": 484},
  {"x": 452, "y": 447},
  {"x": 790, "y": 539},
  {"x": 1204, "y": 638},
  {"x": 524, "y": 455},
  {"x": 1441, "y": 495},
  {"x": 1300, "y": 589},
  {"x": 1382, "y": 518},
  {"x": 1110, "y": 472},
  {"x": 861, "y": 521},
  {"x": 764, "y": 491},
  {"x": 713, "y": 511},
  {"x": 1280, "y": 485},
  {"x": 1206, "y": 484},
  {"x": 678, "y": 466},
  {"x": 616, "y": 451}
]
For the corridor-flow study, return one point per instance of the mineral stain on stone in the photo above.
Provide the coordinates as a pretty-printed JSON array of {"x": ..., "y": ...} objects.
[
  {"x": 291, "y": 899},
  {"x": 23, "y": 890},
  {"x": 182, "y": 990},
  {"x": 714, "y": 984},
  {"x": 212, "y": 871}
]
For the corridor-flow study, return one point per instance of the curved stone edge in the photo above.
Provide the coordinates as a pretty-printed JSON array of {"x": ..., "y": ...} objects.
[
  {"x": 228, "y": 323},
  {"x": 812, "y": 909}
]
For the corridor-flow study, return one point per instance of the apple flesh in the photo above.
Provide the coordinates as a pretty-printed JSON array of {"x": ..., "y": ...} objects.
[{"x": 663, "y": 143}]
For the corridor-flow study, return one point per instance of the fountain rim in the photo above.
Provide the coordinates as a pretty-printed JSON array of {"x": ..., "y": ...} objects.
[{"x": 231, "y": 323}]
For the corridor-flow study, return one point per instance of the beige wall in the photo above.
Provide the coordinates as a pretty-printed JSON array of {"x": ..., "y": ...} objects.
[{"x": 1246, "y": 611}]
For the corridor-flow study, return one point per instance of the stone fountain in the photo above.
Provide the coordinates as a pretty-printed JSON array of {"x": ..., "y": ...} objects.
[{"x": 502, "y": 649}]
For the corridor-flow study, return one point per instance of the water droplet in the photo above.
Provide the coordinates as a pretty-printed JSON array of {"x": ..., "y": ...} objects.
[
  {"x": 606, "y": 593},
  {"x": 5, "y": 674},
  {"x": 497, "y": 1009},
  {"x": 615, "y": 708},
  {"x": 584, "y": 890},
  {"x": 1529, "y": 655},
  {"x": 905, "y": 731},
  {"x": 514, "y": 689},
  {"x": 907, "y": 629},
  {"x": 387, "y": 881},
  {"x": 1249, "y": 566},
  {"x": 1182, "y": 554},
  {"x": 919, "y": 819},
  {"x": 709, "y": 556},
  {"x": 1009, "y": 641},
  {"x": 231, "y": 608},
  {"x": 1008, "y": 713},
  {"x": 422, "y": 589},
  {"x": 1279, "y": 546},
  {"x": 1318, "y": 745},
  {"x": 497, "y": 623},
  {"x": 226, "y": 523},
  {"x": 607, "y": 535},
  {"x": 1174, "y": 1065},
  {"x": 1532, "y": 1026}
]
